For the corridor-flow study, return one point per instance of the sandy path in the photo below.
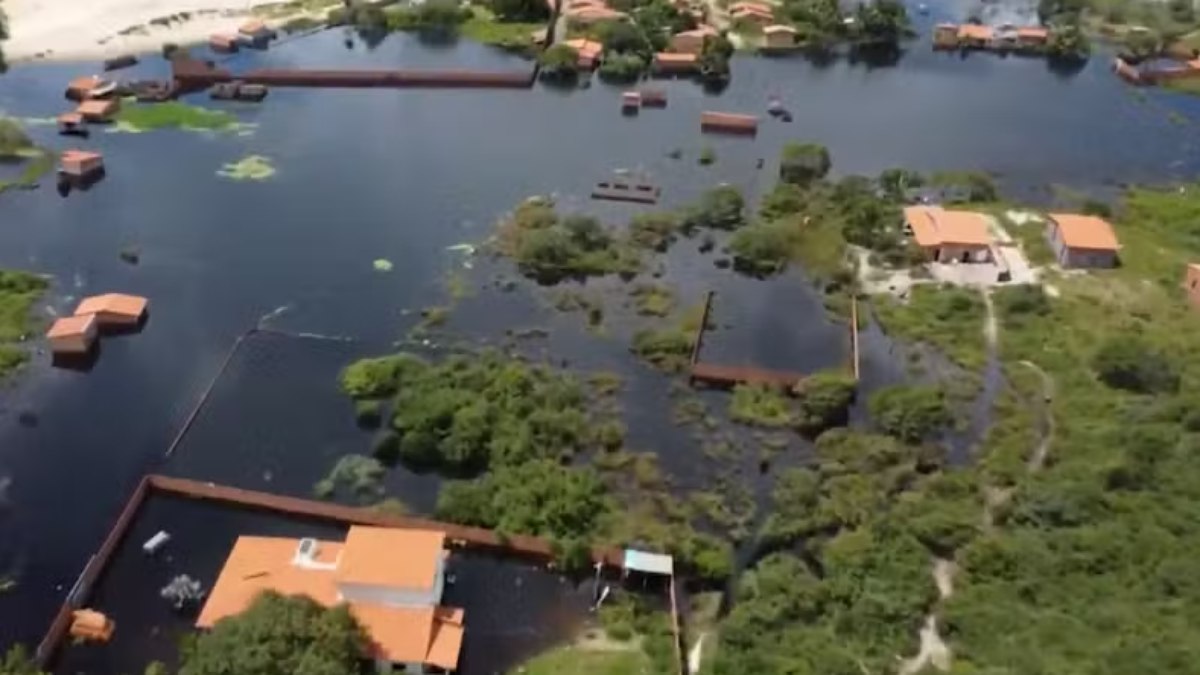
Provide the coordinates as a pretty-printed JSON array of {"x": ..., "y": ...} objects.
[
  {"x": 89, "y": 29},
  {"x": 933, "y": 649}
]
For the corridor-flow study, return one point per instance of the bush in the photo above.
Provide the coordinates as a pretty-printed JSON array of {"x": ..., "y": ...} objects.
[
  {"x": 377, "y": 377},
  {"x": 1128, "y": 362},
  {"x": 763, "y": 248},
  {"x": 558, "y": 62},
  {"x": 1023, "y": 300},
  {"x": 360, "y": 475},
  {"x": 760, "y": 405},
  {"x": 667, "y": 349},
  {"x": 803, "y": 163},
  {"x": 825, "y": 400},
  {"x": 386, "y": 448},
  {"x": 655, "y": 230},
  {"x": 619, "y": 67},
  {"x": 721, "y": 208},
  {"x": 13, "y": 138},
  {"x": 910, "y": 414},
  {"x": 549, "y": 249}
]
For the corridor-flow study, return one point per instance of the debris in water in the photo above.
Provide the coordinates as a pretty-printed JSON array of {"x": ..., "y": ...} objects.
[
  {"x": 382, "y": 265},
  {"x": 252, "y": 167},
  {"x": 131, "y": 254}
]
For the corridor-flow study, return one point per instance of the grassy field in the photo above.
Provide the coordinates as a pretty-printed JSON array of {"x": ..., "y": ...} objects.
[
  {"x": 35, "y": 164},
  {"x": 484, "y": 27},
  {"x": 945, "y": 317}
]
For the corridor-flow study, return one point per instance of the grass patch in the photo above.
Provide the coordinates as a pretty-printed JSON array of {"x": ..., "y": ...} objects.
[
  {"x": 18, "y": 293},
  {"x": 760, "y": 405},
  {"x": 251, "y": 167},
  {"x": 653, "y": 299},
  {"x": 574, "y": 660},
  {"x": 173, "y": 115},
  {"x": 945, "y": 317},
  {"x": 36, "y": 163},
  {"x": 484, "y": 27}
]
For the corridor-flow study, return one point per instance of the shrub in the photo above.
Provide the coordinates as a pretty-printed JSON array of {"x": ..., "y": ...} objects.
[
  {"x": 763, "y": 249},
  {"x": 803, "y": 163},
  {"x": 720, "y": 208},
  {"x": 655, "y": 230},
  {"x": 619, "y": 67},
  {"x": 824, "y": 400},
  {"x": 910, "y": 414},
  {"x": 377, "y": 377},
  {"x": 761, "y": 405},
  {"x": 12, "y": 137},
  {"x": 667, "y": 349},
  {"x": 386, "y": 448},
  {"x": 558, "y": 62},
  {"x": 1128, "y": 362},
  {"x": 1023, "y": 300}
]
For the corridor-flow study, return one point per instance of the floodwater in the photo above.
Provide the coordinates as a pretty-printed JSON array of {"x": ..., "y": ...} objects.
[{"x": 404, "y": 174}]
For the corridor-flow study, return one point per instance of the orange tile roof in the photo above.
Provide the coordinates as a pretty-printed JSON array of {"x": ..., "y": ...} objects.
[
  {"x": 743, "y": 12},
  {"x": 972, "y": 31},
  {"x": 778, "y": 28},
  {"x": 79, "y": 156},
  {"x": 71, "y": 326},
  {"x": 85, "y": 83},
  {"x": 596, "y": 14},
  {"x": 935, "y": 226},
  {"x": 1090, "y": 232},
  {"x": 1033, "y": 32},
  {"x": 750, "y": 6},
  {"x": 252, "y": 26},
  {"x": 387, "y": 556},
  {"x": 430, "y": 635},
  {"x": 132, "y": 306}
]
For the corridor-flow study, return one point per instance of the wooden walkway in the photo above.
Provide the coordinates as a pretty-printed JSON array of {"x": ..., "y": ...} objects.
[
  {"x": 192, "y": 75},
  {"x": 715, "y": 375}
]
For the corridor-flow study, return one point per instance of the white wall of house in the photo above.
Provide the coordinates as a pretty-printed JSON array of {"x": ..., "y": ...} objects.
[
  {"x": 951, "y": 253},
  {"x": 395, "y": 596},
  {"x": 1077, "y": 257}
]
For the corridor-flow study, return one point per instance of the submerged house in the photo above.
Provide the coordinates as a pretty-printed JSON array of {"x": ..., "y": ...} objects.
[
  {"x": 1082, "y": 241},
  {"x": 72, "y": 334},
  {"x": 114, "y": 309},
  {"x": 974, "y": 36},
  {"x": 692, "y": 41},
  {"x": 98, "y": 110},
  {"x": 392, "y": 580},
  {"x": 670, "y": 63},
  {"x": 949, "y": 236},
  {"x": 588, "y": 52},
  {"x": 779, "y": 36}
]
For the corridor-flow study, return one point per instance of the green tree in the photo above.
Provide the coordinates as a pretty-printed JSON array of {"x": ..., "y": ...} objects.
[
  {"x": 825, "y": 400},
  {"x": 721, "y": 208},
  {"x": 763, "y": 248},
  {"x": 1129, "y": 362},
  {"x": 622, "y": 37},
  {"x": 910, "y": 414},
  {"x": 896, "y": 182},
  {"x": 1068, "y": 43},
  {"x": 882, "y": 21},
  {"x": 803, "y": 163},
  {"x": 622, "y": 67},
  {"x": 12, "y": 137},
  {"x": 714, "y": 60},
  {"x": 16, "y": 661},
  {"x": 559, "y": 62},
  {"x": 279, "y": 635}
]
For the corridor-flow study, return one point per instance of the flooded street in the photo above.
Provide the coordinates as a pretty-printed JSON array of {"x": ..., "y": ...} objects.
[{"x": 402, "y": 175}]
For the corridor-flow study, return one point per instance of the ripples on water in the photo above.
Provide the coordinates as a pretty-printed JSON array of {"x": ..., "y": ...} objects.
[{"x": 401, "y": 175}]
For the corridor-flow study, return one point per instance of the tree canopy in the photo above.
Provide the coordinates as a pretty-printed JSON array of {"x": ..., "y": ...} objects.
[
  {"x": 1128, "y": 362},
  {"x": 911, "y": 414},
  {"x": 803, "y": 163},
  {"x": 279, "y": 635}
]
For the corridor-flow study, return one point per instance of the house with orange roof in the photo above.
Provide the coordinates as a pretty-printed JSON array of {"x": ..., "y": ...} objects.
[
  {"x": 750, "y": 5},
  {"x": 692, "y": 41},
  {"x": 949, "y": 236},
  {"x": 1032, "y": 36},
  {"x": 391, "y": 579},
  {"x": 588, "y": 50},
  {"x": 1082, "y": 241},
  {"x": 670, "y": 63},
  {"x": 974, "y": 35},
  {"x": 72, "y": 334},
  {"x": 114, "y": 309},
  {"x": 779, "y": 36},
  {"x": 754, "y": 15},
  {"x": 80, "y": 163},
  {"x": 98, "y": 109}
]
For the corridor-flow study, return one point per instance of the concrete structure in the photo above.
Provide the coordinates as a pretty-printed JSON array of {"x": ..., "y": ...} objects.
[
  {"x": 949, "y": 236},
  {"x": 114, "y": 309},
  {"x": 589, "y": 52},
  {"x": 99, "y": 110},
  {"x": 80, "y": 164},
  {"x": 1191, "y": 284},
  {"x": 670, "y": 63},
  {"x": 1082, "y": 241},
  {"x": 779, "y": 36},
  {"x": 223, "y": 43},
  {"x": 692, "y": 41},
  {"x": 73, "y": 335},
  {"x": 391, "y": 579}
]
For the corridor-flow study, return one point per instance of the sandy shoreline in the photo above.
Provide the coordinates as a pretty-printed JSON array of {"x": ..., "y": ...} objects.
[{"x": 66, "y": 30}]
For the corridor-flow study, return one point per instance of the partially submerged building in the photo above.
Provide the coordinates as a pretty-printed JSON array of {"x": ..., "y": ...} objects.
[
  {"x": 88, "y": 86},
  {"x": 80, "y": 164},
  {"x": 391, "y": 579},
  {"x": 98, "y": 110},
  {"x": 670, "y": 63},
  {"x": 223, "y": 43},
  {"x": 73, "y": 335},
  {"x": 949, "y": 236},
  {"x": 1082, "y": 241},
  {"x": 692, "y": 41},
  {"x": 588, "y": 51},
  {"x": 729, "y": 123},
  {"x": 255, "y": 33},
  {"x": 975, "y": 36},
  {"x": 779, "y": 36},
  {"x": 115, "y": 309}
]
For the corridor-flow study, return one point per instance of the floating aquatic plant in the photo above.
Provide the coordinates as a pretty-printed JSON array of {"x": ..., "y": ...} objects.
[
  {"x": 251, "y": 167},
  {"x": 382, "y": 265}
]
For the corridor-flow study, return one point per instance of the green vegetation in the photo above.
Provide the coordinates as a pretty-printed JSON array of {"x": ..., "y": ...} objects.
[
  {"x": 622, "y": 67},
  {"x": 714, "y": 61},
  {"x": 760, "y": 405},
  {"x": 13, "y": 139},
  {"x": 585, "y": 661},
  {"x": 485, "y": 27},
  {"x": 721, "y": 208},
  {"x": 668, "y": 348},
  {"x": 655, "y": 230},
  {"x": 803, "y": 163},
  {"x": 653, "y": 299},
  {"x": 251, "y": 167},
  {"x": 824, "y": 400},
  {"x": 820, "y": 24},
  {"x": 360, "y": 476},
  {"x": 278, "y": 635},
  {"x": 18, "y": 293},
  {"x": 559, "y": 63},
  {"x": 173, "y": 115},
  {"x": 625, "y": 617},
  {"x": 550, "y": 248},
  {"x": 1128, "y": 362},
  {"x": 16, "y": 146},
  {"x": 435, "y": 18},
  {"x": 947, "y": 317},
  {"x": 764, "y": 248},
  {"x": 18, "y": 662},
  {"x": 707, "y": 156},
  {"x": 911, "y": 414}
]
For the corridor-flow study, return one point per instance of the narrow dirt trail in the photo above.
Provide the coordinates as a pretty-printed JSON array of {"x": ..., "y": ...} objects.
[
  {"x": 1037, "y": 459},
  {"x": 933, "y": 648}
]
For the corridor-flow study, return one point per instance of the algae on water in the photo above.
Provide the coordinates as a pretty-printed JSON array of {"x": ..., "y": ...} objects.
[
  {"x": 171, "y": 115},
  {"x": 251, "y": 167},
  {"x": 383, "y": 265}
]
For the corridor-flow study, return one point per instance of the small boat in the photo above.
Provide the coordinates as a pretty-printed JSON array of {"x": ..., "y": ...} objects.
[{"x": 775, "y": 107}]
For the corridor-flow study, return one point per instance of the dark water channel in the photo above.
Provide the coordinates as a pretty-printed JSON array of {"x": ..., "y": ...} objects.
[{"x": 404, "y": 174}]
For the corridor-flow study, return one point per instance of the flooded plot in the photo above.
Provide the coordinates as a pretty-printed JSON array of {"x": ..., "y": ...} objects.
[{"x": 512, "y": 610}]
